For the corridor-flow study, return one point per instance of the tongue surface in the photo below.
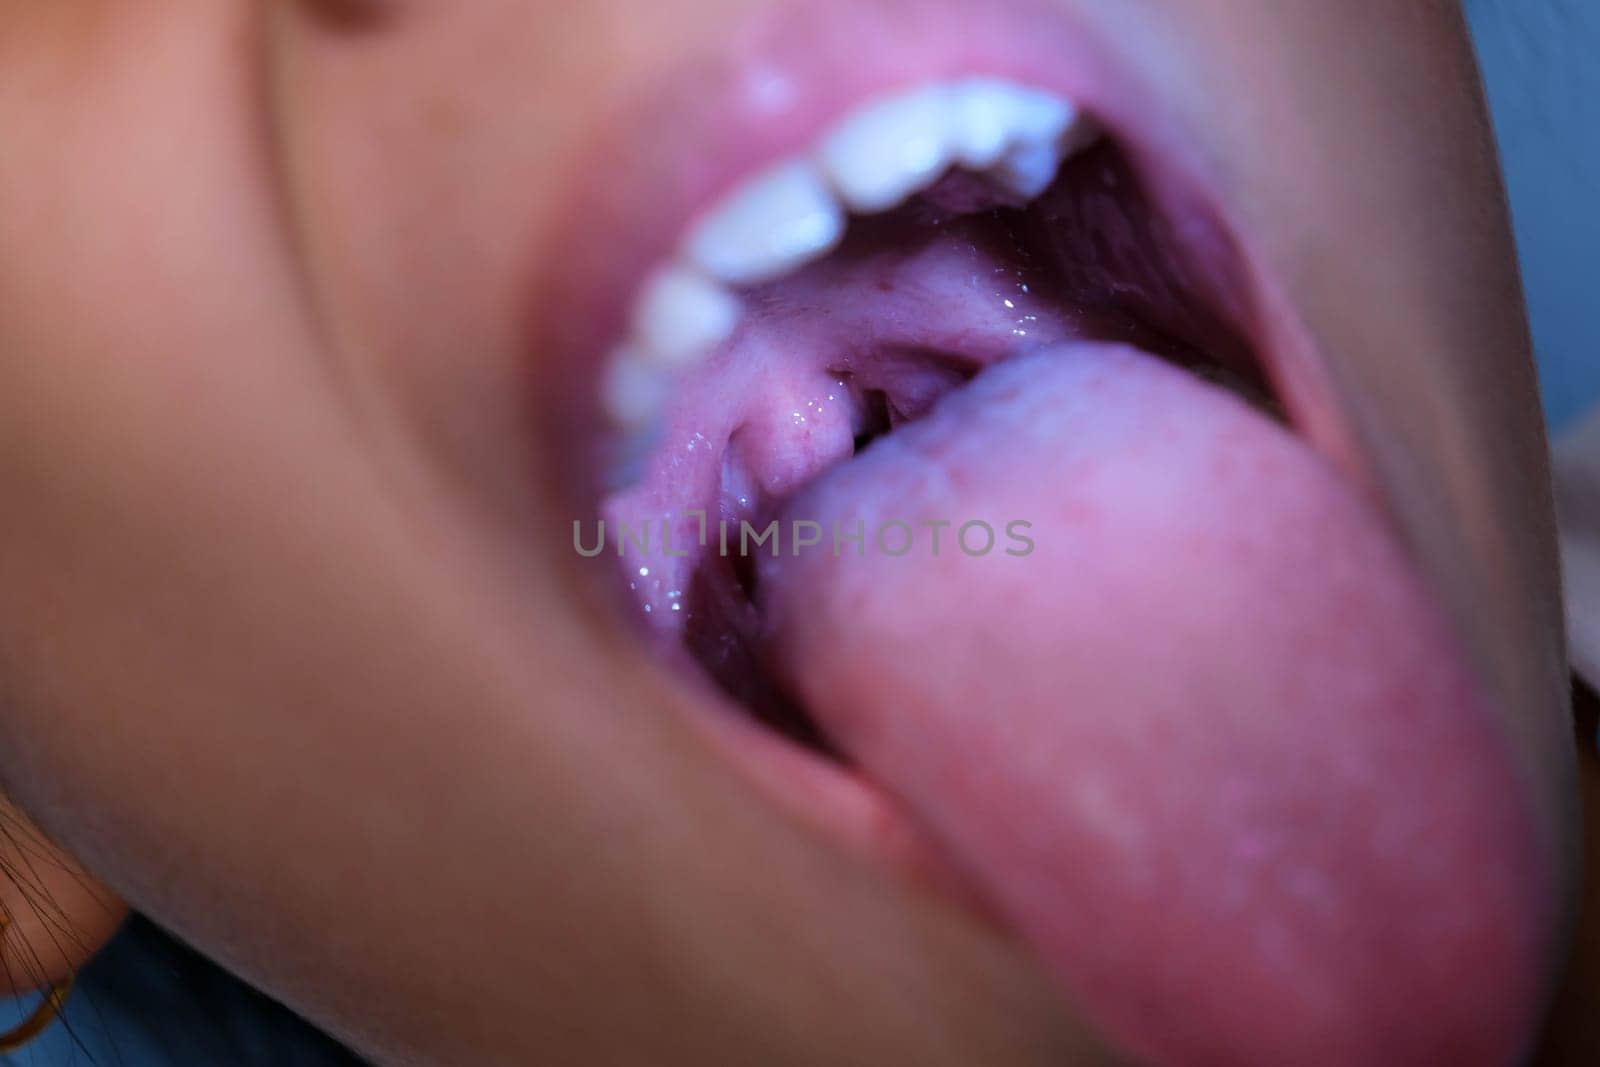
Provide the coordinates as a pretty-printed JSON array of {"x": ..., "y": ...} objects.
[{"x": 1194, "y": 729}]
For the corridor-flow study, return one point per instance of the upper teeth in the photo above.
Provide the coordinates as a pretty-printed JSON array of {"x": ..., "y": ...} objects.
[
  {"x": 895, "y": 146},
  {"x": 683, "y": 315},
  {"x": 873, "y": 159},
  {"x": 891, "y": 147},
  {"x": 767, "y": 227}
]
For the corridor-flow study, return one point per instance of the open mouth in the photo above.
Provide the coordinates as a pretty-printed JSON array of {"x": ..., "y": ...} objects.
[
  {"x": 958, "y": 462},
  {"x": 943, "y": 230}
]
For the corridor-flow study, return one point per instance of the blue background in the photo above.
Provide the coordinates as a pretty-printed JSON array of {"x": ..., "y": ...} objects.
[{"x": 1541, "y": 61}]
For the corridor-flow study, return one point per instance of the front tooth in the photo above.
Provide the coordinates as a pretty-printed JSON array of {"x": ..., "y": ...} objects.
[
  {"x": 681, "y": 316},
  {"x": 889, "y": 149},
  {"x": 768, "y": 227},
  {"x": 635, "y": 389}
]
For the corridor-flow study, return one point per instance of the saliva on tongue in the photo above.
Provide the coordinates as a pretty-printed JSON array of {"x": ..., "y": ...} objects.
[{"x": 1150, "y": 675}]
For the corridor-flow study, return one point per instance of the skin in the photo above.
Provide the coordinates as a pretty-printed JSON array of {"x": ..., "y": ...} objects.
[{"x": 289, "y": 651}]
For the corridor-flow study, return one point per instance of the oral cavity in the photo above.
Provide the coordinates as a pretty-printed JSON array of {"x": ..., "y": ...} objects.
[{"x": 1207, "y": 746}]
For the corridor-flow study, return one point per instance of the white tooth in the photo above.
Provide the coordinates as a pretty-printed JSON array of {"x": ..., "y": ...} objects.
[
  {"x": 1041, "y": 117},
  {"x": 682, "y": 316},
  {"x": 991, "y": 116},
  {"x": 1028, "y": 169},
  {"x": 768, "y": 227},
  {"x": 1029, "y": 166},
  {"x": 635, "y": 389},
  {"x": 982, "y": 121},
  {"x": 890, "y": 148}
]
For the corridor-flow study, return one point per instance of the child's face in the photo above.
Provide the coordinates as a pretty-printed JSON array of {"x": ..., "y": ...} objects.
[{"x": 295, "y": 649}]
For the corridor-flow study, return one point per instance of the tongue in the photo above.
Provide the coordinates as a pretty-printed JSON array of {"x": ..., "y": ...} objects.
[{"x": 1180, "y": 711}]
